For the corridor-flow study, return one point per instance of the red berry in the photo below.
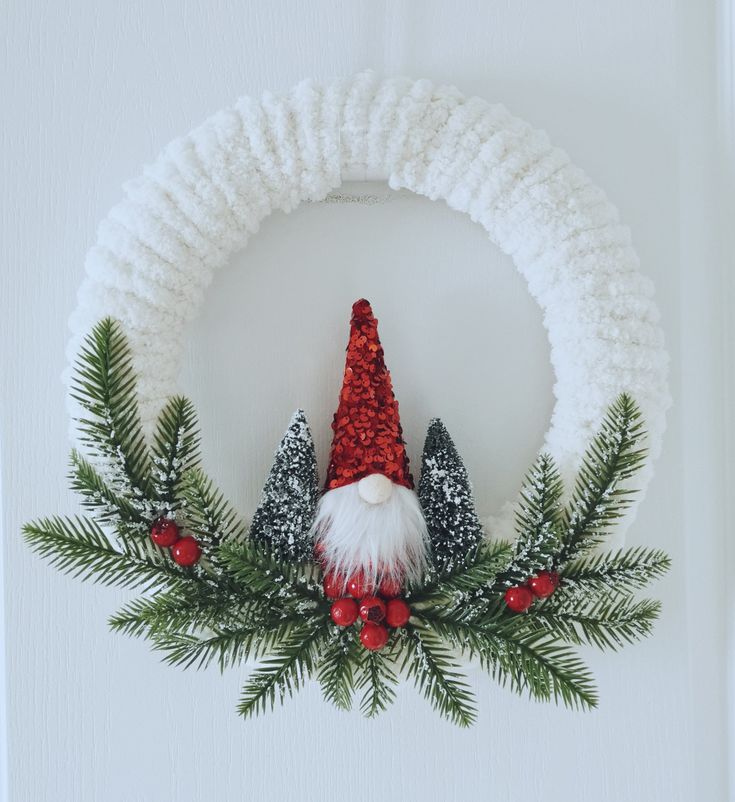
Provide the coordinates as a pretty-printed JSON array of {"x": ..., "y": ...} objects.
[
  {"x": 344, "y": 612},
  {"x": 372, "y": 609},
  {"x": 543, "y": 585},
  {"x": 373, "y": 636},
  {"x": 334, "y": 586},
  {"x": 319, "y": 552},
  {"x": 397, "y": 613},
  {"x": 389, "y": 587},
  {"x": 358, "y": 587},
  {"x": 186, "y": 551},
  {"x": 164, "y": 532},
  {"x": 518, "y": 599}
]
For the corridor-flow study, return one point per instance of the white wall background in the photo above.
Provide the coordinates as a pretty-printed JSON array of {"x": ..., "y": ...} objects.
[{"x": 90, "y": 92}]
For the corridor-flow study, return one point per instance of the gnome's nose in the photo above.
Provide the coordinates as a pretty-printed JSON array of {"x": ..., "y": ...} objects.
[{"x": 375, "y": 488}]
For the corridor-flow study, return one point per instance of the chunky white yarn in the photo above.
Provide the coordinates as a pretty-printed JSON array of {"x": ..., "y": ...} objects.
[{"x": 208, "y": 192}]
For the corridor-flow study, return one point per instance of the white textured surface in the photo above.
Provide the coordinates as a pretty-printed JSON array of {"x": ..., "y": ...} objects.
[
  {"x": 92, "y": 91},
  {"x": 209, "y": 191}
]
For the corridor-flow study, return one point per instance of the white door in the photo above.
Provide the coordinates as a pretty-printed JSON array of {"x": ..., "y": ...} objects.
[{"x": 90, "y": 93}]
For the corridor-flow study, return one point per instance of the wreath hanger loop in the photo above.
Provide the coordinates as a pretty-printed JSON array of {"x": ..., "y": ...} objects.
[{"x": 209, "y": 191}]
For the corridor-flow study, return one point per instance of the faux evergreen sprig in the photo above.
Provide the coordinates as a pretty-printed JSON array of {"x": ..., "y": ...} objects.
[{"x": 256, "y": 592}]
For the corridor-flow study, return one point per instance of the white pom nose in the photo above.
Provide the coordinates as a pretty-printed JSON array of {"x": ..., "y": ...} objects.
[{"x": 375, "y": 489}]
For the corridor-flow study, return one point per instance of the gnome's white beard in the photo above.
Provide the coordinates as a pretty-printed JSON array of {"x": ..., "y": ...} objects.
[{"x": 381, "y": 540}]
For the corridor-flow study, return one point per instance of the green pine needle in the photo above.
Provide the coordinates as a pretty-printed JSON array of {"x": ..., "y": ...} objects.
[
  {"x": 515, "y": 653},
  {"x": 79, "y": 547},
  {"x": 262, "y": 573},
  {"x": 377, "y": 680},
  {"x": 104, "y": 385},
  {"x": 548, "y": 670},
  {"x": 208, "y": 512},
  {"x": 600, "y": 497},
  {"x": 538, "y": 522},
  {"x": 613, "y": 572},
  {"x": 97, "y": 496},
  {"x": 337, "y": 667},
  {"x": 229, "y": 646},
  {"x": 175, "y": 449},
  {"x": 285, "y": 671},
  {"x": 608, "y": 623},
  {"x": 431, "y": 665},
  {"x": 190, "y": 607},
  {"x": 467, "y": 579}
]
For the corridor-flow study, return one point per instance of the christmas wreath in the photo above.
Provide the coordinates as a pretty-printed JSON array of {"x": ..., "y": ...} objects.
[{"x": 365, "y": 580}]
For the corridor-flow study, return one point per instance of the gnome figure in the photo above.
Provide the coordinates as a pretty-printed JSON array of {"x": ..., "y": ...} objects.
[{"x": 369, "y": 521}]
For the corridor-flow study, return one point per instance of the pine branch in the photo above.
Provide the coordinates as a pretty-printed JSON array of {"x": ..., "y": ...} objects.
[
  {"x": 599, "y": 499},
  {"x": 377, "y": 680},
  {"x": 107, "y": 505},
  {"x": 515, "y": 653},
  {"x": 470, "y": 579},
  {"x": 263, "y": 574},
  {"x": 429, "y": 663},
  {"x": 175, "y": 449},
  {"x": 79, "y": 547},
  {"x": 612, "y": 572},
  {"x": 538, "y": 519},
  {"x": 549, "y": 670},
  {"x": 603, "y": 622},
  {"x": 337, "y": 665},
  {"x": 186, "y": 609},
  {"x": 229, "y": 646},
  {"x": 209, "y": 514},
  {"x": 104, "y": 385},
  {"x": 285, "y": 671}
]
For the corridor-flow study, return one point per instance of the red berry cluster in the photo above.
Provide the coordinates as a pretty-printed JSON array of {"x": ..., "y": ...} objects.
[
  {"x": 377, "y": 608},
  {"x": 184, "y": 550},
  {"x": 520, "y": 597}
]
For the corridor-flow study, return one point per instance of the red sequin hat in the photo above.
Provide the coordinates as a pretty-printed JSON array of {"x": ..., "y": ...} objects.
[{"x": 367, "y": 430}]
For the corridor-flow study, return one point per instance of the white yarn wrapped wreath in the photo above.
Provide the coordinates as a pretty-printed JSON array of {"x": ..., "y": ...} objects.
[{"x": 208, "y": 192}]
